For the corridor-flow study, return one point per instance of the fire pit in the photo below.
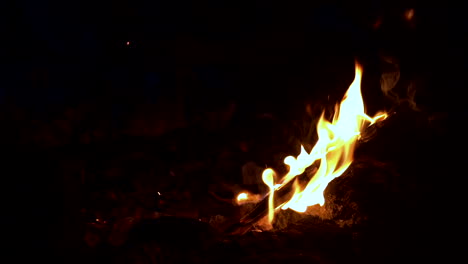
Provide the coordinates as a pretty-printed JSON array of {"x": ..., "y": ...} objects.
[
  {"x": 330, "y": 157},
  {"x": 363, "y": 211},
  {"x": 204, "y": 136}
]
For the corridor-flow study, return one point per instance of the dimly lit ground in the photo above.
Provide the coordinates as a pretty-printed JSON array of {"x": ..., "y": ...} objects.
[{"x": 105, "y": 105}]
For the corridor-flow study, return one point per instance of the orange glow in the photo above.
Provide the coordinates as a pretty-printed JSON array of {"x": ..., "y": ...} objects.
[
  {"x": 333, "y": 152},
  {"x": 409, "y": 14},
  {"x": 377, "y": 23}
]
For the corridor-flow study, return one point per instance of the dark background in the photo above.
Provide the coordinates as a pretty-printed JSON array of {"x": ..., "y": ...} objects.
[
  {"x": 65, "y": 67},
  {"x": 65, "y": 53}
]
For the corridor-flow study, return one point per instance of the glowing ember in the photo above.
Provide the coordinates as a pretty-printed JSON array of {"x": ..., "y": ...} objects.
[
  {"x": 246, "y": 197},
  {"x": 333, "y": 152},
  {"x": 242, "y": 196},
  {"x": 409, "y": 14}
]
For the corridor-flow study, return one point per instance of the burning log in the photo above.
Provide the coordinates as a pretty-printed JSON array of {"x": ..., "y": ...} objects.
[
  {"x": 366, "y": 192},
  {"x": 331, "y": 156},
  {"x": 286, "y": 192},
  {"x": 282, "y": 195}
]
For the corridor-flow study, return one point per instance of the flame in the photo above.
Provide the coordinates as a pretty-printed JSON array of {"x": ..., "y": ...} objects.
[
  {"x": 333, "y": 152},
  {"x": 268, "y": 177},
  {"x": 242, "y": 196},
  {"x": 246, "y": 197}
]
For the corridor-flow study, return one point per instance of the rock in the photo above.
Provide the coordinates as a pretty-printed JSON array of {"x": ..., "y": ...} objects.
[{"x": 363, "y": 192}]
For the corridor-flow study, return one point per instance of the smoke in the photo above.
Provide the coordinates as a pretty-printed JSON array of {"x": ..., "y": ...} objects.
[{"x": 398, "y": 90}]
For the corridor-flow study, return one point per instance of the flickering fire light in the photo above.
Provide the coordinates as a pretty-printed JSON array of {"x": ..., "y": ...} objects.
[
  {"x": 333, "y": 152},
  {"x": 246, "y": 197},
  {"x": 242, "y": 196}
]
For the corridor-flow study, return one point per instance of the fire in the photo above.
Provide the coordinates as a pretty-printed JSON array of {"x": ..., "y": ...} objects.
[
  {"x": 246, "y": 197},
  {"x": 332, "y": 154},
  {"x": 268, "y": 178},
  {"x": 242, "y": 196}
]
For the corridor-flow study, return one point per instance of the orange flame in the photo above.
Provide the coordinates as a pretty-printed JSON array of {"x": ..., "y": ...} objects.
[{"x": 334, "y": 150}]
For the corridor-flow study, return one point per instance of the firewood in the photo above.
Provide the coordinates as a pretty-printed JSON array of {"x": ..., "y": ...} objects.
[
  {"x": 281, "y": 196},
  {"x": 284, "y": 193}
]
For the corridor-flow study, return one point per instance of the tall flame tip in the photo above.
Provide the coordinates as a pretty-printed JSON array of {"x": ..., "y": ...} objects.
[{"x": 334, "y": 149}]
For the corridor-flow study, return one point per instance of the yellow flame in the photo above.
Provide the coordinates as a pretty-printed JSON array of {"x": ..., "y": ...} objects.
[
  {"x": 268, "y": 177},
  {"x": 334, "y": 150}
]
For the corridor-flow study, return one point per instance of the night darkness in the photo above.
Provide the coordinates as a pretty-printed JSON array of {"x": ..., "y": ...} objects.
[{"x": 119, "y": 88}]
